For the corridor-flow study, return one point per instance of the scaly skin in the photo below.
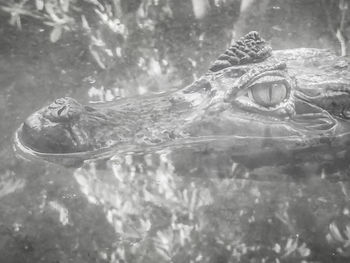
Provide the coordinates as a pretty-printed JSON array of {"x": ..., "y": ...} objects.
[{"x": 249, "y": 92}]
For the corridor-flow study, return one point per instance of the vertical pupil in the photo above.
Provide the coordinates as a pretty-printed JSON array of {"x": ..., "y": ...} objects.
[{"x": 267, "y": 94}]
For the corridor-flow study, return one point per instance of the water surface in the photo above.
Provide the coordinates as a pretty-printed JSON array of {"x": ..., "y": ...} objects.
[{"x": 166, "y": 205}]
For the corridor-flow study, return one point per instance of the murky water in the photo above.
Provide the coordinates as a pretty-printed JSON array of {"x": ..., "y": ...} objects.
[{"x": 170, "y": 204}]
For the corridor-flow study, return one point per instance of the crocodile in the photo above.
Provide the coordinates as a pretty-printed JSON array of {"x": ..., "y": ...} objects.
[{"x": 252, "y": 96}]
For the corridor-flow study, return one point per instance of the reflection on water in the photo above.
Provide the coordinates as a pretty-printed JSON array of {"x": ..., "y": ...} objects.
[
  {"x": 179, "y": 218},
  {"x": 169, "y": 205},
  {"x": 9, "y": 183}
]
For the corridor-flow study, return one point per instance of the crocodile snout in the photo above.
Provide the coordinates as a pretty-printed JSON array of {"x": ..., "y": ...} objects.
[{"x": 49, "y": 129}]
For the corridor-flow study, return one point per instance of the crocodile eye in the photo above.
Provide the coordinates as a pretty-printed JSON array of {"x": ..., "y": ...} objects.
[{"x": 267, "y": 94}]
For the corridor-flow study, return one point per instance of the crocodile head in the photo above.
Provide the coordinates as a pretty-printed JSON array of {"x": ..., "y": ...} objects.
[
  {"x": 300, "y": 92},
  {"x": 249, "y": 91}
]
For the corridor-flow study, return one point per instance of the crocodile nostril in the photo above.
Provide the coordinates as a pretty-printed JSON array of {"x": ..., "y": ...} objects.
[{"x": 61, "y": 110}]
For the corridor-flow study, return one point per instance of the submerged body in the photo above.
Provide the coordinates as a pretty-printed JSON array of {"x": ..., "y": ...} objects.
[{"x": 252, "y": 97}]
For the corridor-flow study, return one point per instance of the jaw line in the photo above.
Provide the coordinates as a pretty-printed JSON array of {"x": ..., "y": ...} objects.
[{"x": 24, "y": 151}]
